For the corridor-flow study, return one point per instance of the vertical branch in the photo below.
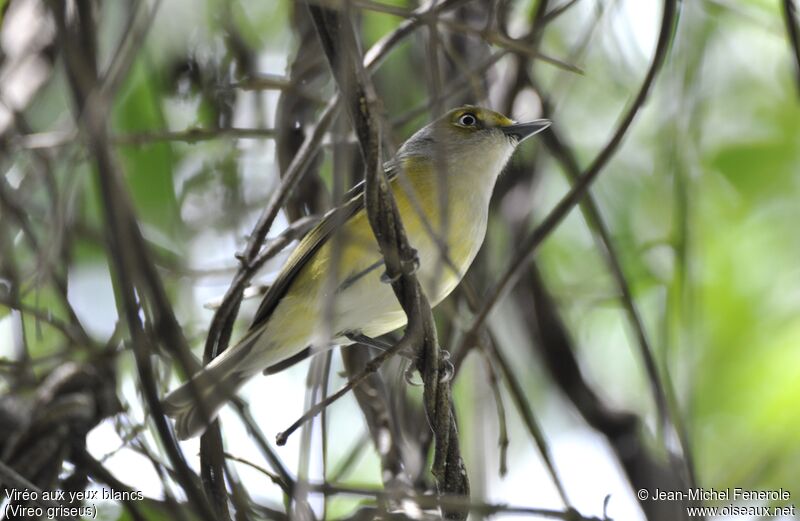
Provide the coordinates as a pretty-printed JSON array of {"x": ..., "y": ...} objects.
[
  {"x": 792, "y": 31},
  {"x": 323, "y": 424},
  {"x": 568, "y": 160},
  {"x": 622, "y": 429},
  {"x": 295, "y": 110},
  {"x": 212, "y": 465},
  {"x": 316, "y": 385},
  {"x": 523, "y": 406},
  {"x": 221, "y": 327},
  {"x": 531, "y": 243},
  {"x": 373, "y": 398},
  {"x": 133, "y": 270},
  {"x": 124, "y": 261},
  {"x": 502, "y": 426},
  {"x": 660, "y": 387},
  {"x": 341, "y": 48}
]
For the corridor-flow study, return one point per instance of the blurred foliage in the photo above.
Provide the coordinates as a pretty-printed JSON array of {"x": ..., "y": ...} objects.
[{"x": 701, "y": 200}]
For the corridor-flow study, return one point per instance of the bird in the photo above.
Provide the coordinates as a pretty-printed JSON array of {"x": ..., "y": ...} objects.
[{"x": 468, "y": 147}]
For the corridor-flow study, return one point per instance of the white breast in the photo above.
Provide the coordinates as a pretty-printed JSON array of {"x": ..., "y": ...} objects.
[{"x": 370, "y": 306}]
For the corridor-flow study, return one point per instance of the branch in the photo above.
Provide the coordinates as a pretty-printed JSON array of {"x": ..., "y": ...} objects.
[
  {"x": 569, "y": 163},
  {"x": 129, "y": 257},
  {"x": 370, "y": 368},
  {"x": 192, "y": 135},
  {"x": 375, "y": 55},
  {"x": 790, "y": 18},
  {"x": 286, "y": 481},
  {"x": 502, "y": 424},
  {"x": 373, "y": 398},
  {"x": 339, "y": 42},
  {"x": 99, "y": 473},
  {"x": 489, "y": 36},
  {"x": 517, "y": 393},
  {"x": 307, "y": 72},
  {"x": 622, "y": 429},
  {"x": 578, "y": 190},
  {"x": 222, "y": 322},
  {"x": 568, "y": 160},
  {"x": 554, "y": 13}
]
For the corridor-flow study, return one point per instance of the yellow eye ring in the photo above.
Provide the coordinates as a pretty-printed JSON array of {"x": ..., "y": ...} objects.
[{"x": 467, "y": 119}]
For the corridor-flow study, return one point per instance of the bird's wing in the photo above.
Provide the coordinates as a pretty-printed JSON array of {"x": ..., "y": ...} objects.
[{"x": 310, "y": 244}]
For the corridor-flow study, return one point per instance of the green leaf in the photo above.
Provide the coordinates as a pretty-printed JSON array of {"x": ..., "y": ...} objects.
[
  {"x": 148, "y": 169},
  {"x": 756, "y": 167}
]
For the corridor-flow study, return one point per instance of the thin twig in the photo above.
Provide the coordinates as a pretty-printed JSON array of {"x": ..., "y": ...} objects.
[
  {"x": 503, "y": 441},
  {"x": 375, "y": 55},
  {"x": 517, "y": 393},
  {"x": 346, "y": 464},
  {"x": 790, "y": 18},
  {"x": 272, "y": 476},
  {"x": 568, "y": 202},
  {"x": 190, "y": 135},
  {"x": 371, "y": 366},
  {"x": 511, "y": 45},
  {"x": 492, "y": 37},
  {"x": 557, "y": 11},
  {"x": 193, "y": 135},
  {"x": 286, "y": 481},
  {"x": 67, "y": 329},
  {"x": 341, "y": 48},
  {"x": 128, "y": 254},
  {"x": 272, "y": 82},
  {"x": 595, "y": 220}
]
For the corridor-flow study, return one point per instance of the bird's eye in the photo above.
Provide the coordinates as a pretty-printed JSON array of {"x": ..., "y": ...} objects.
[{"x": 467, "y": 120}]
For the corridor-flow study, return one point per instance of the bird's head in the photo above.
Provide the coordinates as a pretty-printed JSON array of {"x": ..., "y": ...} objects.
[{"x": 471, "y": 133}]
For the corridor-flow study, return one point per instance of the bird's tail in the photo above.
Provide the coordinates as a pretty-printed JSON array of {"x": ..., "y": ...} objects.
[{"x": 213, "y": 387}]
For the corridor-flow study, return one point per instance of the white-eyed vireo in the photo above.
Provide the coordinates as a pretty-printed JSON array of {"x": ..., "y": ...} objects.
[{"x": 474, "y": 144}]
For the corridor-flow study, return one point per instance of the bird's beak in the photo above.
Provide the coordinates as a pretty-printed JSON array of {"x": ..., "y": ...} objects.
[{"x": 522, "y": 131}]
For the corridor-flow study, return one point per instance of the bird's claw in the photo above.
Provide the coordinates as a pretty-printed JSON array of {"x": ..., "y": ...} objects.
[
  {"x": 410, "y": 264},
  {"x": 408, "y": 376},
  {"x": 389, "y": 279},
  {"x": 446, "y": 368}
]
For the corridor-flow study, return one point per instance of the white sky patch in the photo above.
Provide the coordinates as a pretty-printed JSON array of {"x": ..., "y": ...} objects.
[
  {"x": 127, "y": 465},
  {"x": 640, "y": 21},
  {"x": 7, "y": 336},
  {"x": 587, "y": 469},
  {"x": 92, "y": 297}
]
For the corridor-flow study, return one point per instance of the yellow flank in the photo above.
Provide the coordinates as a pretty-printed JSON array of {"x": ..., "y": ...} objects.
[
  {"x": 358, "y": 255},
  {"x": 353, "y": 293}
]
